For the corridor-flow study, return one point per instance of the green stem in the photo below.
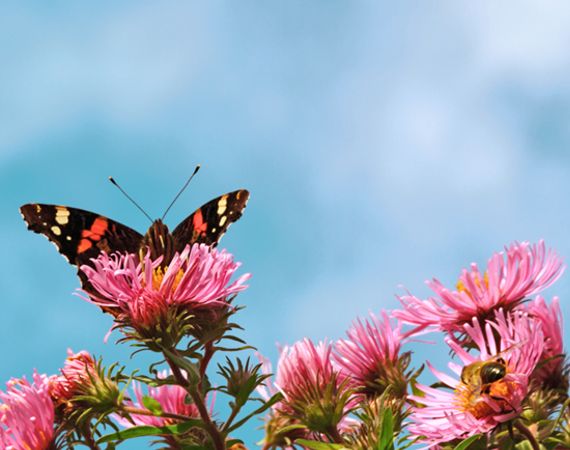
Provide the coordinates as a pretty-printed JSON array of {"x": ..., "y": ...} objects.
[
  {"x": 335, "y": 435},
  {"x": 231, "y": 418},
  {"x": 528, "y": 434},
  {"x": 146, "y": 412},
  {"x": 89, "y": 439},
  {"x": 208, "y": 353},
  {"x": 210, "y": 427}
]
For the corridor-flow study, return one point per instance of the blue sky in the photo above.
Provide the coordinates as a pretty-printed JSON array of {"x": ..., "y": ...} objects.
[{"x": 382, "y": 144}]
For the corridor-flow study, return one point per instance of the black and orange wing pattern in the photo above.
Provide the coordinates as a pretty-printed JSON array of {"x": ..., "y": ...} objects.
[
  {"x": 80, "y": 235},
  {"x": 208, "y": 223}
]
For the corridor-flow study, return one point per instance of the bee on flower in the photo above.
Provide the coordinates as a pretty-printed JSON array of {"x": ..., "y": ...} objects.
[{"x": 488, "y": 388}]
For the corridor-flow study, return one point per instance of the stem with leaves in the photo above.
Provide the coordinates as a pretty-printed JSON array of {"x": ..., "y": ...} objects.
[
  {"x": 528, "y": 434},
  {"x": 194, "y": 392}
]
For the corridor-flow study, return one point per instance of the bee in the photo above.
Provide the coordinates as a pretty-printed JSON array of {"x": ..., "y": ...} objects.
[{"x": 482, "y": 374}]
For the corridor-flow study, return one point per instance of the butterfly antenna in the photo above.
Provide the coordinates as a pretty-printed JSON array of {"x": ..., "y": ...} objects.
[
  {"x": 112, "y": 180},
  {"x": 181, "y": 191}
]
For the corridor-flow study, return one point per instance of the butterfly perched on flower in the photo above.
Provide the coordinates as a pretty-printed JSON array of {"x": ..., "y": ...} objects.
[{"x": 81, "y": 235}]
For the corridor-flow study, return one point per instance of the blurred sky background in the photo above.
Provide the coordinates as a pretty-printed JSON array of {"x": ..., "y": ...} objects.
[{"x": 383, "y": 144}]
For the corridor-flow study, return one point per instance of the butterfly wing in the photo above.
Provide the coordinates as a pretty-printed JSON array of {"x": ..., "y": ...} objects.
[
  {"x": 80, "y": 235},
  {"x": 208, "y": 223}
]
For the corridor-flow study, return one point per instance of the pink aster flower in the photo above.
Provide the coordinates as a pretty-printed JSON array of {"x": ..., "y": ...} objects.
[
  {"x": 551, "y": 369},
  {"x": 172, "y": 398},
  {"x": 511, "y": 276},
  {"x": 370, "y": 357},
  {"x": 313, "y": 390},
  {"x": 141, "y": 293},
  {"x": 27, "y": 415},
  {"x": 268, "y": 388},
  {"x": 79, "y": 369},
  {"x": 279, "y": 417},
  {"x": 488, "y": 389},
  {"x": 82, "y": 390},
  {"x": 284, "y": 414}
]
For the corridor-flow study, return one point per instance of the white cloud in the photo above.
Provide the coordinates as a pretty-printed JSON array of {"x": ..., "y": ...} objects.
[{"x": 527, "y": 41}]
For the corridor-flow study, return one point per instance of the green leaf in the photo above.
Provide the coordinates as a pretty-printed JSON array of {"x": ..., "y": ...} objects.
[
  {"x": 524, "y": 445},
  {"x": 152, "y": 405},
  {"x": 463, "y": 445},
  {"x": 192, "y": 370},
  {"x": 147, "y": 430},
  {"x": 276, "y": 398},
  {"x": 386, "y": 438},
  {"x": 288, "y": 428},
  {"x": 314, "y": 445}
]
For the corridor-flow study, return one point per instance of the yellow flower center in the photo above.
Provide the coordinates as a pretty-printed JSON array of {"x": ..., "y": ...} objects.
[
  {"x": 462, "y": 288},
  {"x": 158, "y": 276}
]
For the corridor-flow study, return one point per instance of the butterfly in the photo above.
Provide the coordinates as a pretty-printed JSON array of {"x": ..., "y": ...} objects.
[{"x": 81, "y": 236}]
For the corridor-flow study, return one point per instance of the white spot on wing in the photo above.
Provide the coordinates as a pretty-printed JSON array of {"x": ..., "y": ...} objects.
[
  {"x": 222, "y": 205},
  {"x": 61, "y": 215}
]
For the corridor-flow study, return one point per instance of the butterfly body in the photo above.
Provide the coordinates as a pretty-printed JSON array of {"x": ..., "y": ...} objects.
[{"x": 81, "y": 235}]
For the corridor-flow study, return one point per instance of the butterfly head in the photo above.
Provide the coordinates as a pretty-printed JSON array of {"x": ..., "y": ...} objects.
[{"x": 159, "y": 242}]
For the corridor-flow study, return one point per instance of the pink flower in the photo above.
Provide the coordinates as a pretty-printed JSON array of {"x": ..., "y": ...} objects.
[
  {"x": 141, "y": 293},
  {"x": 277, "y": 420},
  {"x": 304, "y": 368},
  {"x": 551, "y": 371},
  {"x": 488, "y": 388},
  {"x": 371, "y": 356},
  {"x": 27, "y": 415},
  {"x": 79, "y": 369},
  {"x": 268, "y": 388},
  {"x": 284, "y": 414},
  {"x": 313, "y": 391},
  {"x": 172, "y": 398},
  {"x": 510, "y": 277}
]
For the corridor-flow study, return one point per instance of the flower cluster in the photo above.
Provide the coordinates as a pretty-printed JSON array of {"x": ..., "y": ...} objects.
[
  {"x": 507, "y": 383},
  {"x": 177, "y": 305},
  {"x": 322, "y": 384}
]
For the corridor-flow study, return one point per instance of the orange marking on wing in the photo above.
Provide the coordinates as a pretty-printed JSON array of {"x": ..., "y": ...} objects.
[
  {"x": 100, "y": 226},
  {"x": 198, "y": 221},
  {"x": 84, "y": 245},
  {"x": 97, "y": 230}
]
